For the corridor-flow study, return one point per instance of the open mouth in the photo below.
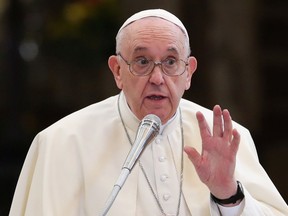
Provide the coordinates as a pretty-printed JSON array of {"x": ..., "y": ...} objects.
[{"x": 156, "y": 97}]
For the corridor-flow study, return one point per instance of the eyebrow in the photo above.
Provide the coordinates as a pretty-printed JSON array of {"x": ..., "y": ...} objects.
[
  {"x": 139, "y": 49},
  {"x": 174, "y": 50},
  {"x": 170, "y": 49}
]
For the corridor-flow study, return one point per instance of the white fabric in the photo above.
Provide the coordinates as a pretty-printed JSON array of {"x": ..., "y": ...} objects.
[
  {"x": 161, "y": 160},
  {"x": 155, "y": 13},
  {"x": 232, "y": 211},
  {"x": 72, "y": 166}
]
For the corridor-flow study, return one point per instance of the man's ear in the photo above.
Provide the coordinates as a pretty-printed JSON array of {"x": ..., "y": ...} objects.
[
  {"x": 115, "y": 69},
  {"x": 192, "y": 66}
]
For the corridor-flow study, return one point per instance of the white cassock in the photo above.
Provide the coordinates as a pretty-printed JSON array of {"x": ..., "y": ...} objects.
[{"x": 72, "y": 166}]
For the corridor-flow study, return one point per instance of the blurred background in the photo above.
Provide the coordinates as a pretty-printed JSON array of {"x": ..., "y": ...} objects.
[{"x": 53, "y": 61}]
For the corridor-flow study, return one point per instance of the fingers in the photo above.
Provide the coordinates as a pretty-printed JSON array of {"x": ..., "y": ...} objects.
[
  {"x": 193, "y": 155},
  {"x": 222, "y": 124},
  {"x": 218, "y": 121},
  {"x": 203, "y": 126},
  {"x": 235, "y": 141},
  {"x": 228, "y": 127}
]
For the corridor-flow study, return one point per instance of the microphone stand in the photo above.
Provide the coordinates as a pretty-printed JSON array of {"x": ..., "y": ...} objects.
[
  {"x": 117, "y": 187},
  {"x": 147, "y": 130}
]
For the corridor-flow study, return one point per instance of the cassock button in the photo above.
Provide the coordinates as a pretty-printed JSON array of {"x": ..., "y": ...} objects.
[
  {"x": 162, "y": 159},
  {"x": 166, "y": 197},
  {"x": 157, "y": 140},
  {"x": 163, "y": 178}
]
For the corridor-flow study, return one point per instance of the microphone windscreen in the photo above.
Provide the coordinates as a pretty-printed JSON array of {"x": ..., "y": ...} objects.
[
  {"x": 148, "y": 128},
  {"x": 153, "y": 121}
]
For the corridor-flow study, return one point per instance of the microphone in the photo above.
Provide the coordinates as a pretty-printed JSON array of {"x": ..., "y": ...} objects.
[{"x": 148, "y": 129}]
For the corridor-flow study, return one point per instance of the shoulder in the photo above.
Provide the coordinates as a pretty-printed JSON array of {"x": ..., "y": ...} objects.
[
  {"x": 189, "y": 110},
  {"x": 193, "y": 107},
  {"x": 93, "y": 114}
]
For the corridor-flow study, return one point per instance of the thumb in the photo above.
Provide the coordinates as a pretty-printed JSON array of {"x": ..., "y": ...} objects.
[{"x": 193, "y": 155}]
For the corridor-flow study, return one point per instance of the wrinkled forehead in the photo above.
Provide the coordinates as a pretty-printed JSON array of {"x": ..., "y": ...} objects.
[{"x": 155, "y": 13}]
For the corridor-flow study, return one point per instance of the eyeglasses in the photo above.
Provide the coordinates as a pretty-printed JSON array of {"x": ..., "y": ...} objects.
[{"x": 143, "y": 66}]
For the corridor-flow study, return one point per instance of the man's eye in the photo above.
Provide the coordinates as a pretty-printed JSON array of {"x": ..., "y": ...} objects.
[
  {"x": 142, "y": 61},
  {"x": 170, "y": 62}
]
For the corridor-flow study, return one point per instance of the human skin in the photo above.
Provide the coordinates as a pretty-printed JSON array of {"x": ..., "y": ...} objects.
[{"x": 159, "y": 94}]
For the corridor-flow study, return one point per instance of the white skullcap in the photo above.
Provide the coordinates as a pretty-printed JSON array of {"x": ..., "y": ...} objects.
[{"x": 155, "y": 13}]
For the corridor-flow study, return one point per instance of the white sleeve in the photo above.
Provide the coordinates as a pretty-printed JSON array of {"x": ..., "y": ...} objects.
[{"x": 233, "y": 210}]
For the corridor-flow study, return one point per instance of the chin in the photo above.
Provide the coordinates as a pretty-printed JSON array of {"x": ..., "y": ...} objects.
[{"x": 164, "y": 118}]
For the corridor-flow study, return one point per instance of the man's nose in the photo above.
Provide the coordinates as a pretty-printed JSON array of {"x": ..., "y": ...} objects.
[{"x": 156, "y": 76}]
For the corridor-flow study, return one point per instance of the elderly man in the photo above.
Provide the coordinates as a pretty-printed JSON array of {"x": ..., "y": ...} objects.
[{"x": 186, "y": 170}]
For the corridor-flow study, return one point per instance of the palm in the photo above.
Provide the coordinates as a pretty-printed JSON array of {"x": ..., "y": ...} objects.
[{"x": 216, "y": 163}]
